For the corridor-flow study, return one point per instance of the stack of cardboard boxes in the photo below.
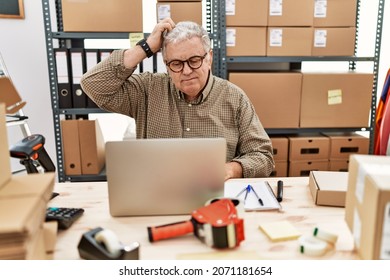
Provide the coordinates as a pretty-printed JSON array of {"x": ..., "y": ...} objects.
[
  {"x": 298, "y": 155},
  {"x": 23, "y": 201},
  {"x": 290, "y": 27}
]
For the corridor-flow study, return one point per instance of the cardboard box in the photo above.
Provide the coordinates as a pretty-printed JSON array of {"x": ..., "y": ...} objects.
[
  {"x": 334, "y": 41},
  {"x": 371, "y": 229},
  {"x": 359, "y": 167},
  {"x": 289, "y": 41},
  {"x": 23, "y": 202},
  {"x": 291, "y": 13},
  {"x": 328, "y": 188},
  {"x": 268, "y": 92},
  {"x": 335, "y": 13},
  {"x": 336, "y": 99},
  {"x": 246, "y": 41},
  {"x": 91, "y": 147},
  {"x": 338, "y": 165},
  {"x": 71, "y": 147},
  {"x": 83, "y": 147},
  {"x": 309, "y": 148},
  {"x": 12, "y": 99},
  {"x": 247, "y": 13},
  {"x": 344, "y": 144},
  {"x": 280, "y": 148},
  {"x": 102, "y": 16},
  {"x": 303, "y": 168},
  {"x": 180, "y": 11},
  {"x": 280, "y": 169}
]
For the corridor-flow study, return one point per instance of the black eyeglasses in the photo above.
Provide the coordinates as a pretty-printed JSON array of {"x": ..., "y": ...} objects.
[{"x": 194, "y": 62}]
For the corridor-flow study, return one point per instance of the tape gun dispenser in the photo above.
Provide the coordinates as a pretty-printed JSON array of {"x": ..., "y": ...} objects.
[{"x": 216, "y": 224}]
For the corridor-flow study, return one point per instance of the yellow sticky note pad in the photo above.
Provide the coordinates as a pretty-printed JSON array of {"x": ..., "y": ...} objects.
[
  {"x": 134, "y": 38},
  {"x": 335, "y": 96},
  {"x": 280, "y": 231}
]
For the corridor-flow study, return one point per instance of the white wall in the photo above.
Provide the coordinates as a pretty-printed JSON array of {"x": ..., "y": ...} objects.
[{"x": 22, "y": 45}]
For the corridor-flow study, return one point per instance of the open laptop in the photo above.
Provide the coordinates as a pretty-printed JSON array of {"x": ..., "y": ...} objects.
[{"x": 164, "y": 176}]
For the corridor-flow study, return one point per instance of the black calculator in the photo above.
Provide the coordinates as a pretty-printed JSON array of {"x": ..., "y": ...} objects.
[{"x": 63, "y": 215}]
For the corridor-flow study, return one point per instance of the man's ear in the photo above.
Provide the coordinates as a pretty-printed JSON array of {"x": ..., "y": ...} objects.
[{"x": 211, "y": 58}]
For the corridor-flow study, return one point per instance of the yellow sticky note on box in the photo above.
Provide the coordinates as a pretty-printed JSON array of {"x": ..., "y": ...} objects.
[{"x": 280, "y": 231}]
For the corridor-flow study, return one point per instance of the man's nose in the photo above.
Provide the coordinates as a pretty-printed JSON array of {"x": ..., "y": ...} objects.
[{"x": 186, "y": 68}]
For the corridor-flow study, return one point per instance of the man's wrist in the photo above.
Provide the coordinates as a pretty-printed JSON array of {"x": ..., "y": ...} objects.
[{"x": 145, "y": 46}]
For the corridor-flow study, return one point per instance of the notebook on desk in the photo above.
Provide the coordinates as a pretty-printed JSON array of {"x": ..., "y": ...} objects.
[{"x": 163, "y": 176}]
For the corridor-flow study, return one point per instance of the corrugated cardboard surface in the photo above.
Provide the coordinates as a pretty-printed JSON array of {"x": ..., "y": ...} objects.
[
  {"x": 342, "y": 145},
  {"x": 10, "y": 96},
  {"x": 23, "y": 202},
  {"x": 83, "y": 147},
  {"x": 280, "y": 170},
  {"x": 248, "y": 13},
  {"x": 308, "y": 148},
  {"x": 91, "y": 147},
  {"x": 280, "y": 148},
  {"x": 185, "y": 11},
  {"x": 293, "y": 13},
  {"x": 268, "y": 92},
  {"x": 102, "y": 16},
  {"x": 328, "y": 188},
  {"x": 71, "y": 147},
  {"x": 359, "y": 167},
  {"x": 246, "y": 41},
  {"x": 336, "y": 99},
  {"x": 303, "y": 168},
  {"x": 340, "y": 41},
  {"x": 372, "y": 237},
  {"x": 294, "y": 41},
  {"x": 338, "y": 165},
  {"x": 338, "y": 13}
]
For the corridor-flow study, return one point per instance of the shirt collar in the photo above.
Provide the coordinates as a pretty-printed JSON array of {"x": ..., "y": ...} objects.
[{"x": 205, "y": 92}]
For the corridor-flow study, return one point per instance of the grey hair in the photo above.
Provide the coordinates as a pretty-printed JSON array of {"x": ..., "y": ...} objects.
[{"x": 186, "y": 30}]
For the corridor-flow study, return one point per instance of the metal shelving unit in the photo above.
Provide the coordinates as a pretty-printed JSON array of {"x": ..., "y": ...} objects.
[
  {"x": 295, "y": 63},
  {"x": 216, "y": 26},
  {"x": 214, "y": 12}
]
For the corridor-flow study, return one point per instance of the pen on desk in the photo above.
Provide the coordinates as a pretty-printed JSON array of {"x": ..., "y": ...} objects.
[
  {"x": 279, "y": 195},
  {"x": 258, "y": 198}
]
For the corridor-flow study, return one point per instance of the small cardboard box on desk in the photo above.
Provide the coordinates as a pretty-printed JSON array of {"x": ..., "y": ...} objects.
[
  {"x": 367, "y": 210},
  {"x": 23, "y": 202},
  {"x": 328, "y": 188}
]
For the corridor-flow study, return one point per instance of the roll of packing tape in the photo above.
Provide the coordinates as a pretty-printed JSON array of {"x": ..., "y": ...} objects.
[
  {"x": 312, "y": 246},
  {"x": 324, "y": 235},
  {"x": 109, "y": 239}
]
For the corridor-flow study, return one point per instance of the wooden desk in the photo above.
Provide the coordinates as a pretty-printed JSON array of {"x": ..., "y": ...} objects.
[{"x": 298, "y": 208}]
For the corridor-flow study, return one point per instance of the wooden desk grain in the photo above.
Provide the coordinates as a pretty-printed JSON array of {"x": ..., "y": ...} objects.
[{"x": 298, "y": 208}]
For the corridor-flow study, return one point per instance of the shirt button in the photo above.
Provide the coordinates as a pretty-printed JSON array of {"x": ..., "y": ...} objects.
[
  {"x": 189, "y": 105},
  {"x": 188, "y": 129}
]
